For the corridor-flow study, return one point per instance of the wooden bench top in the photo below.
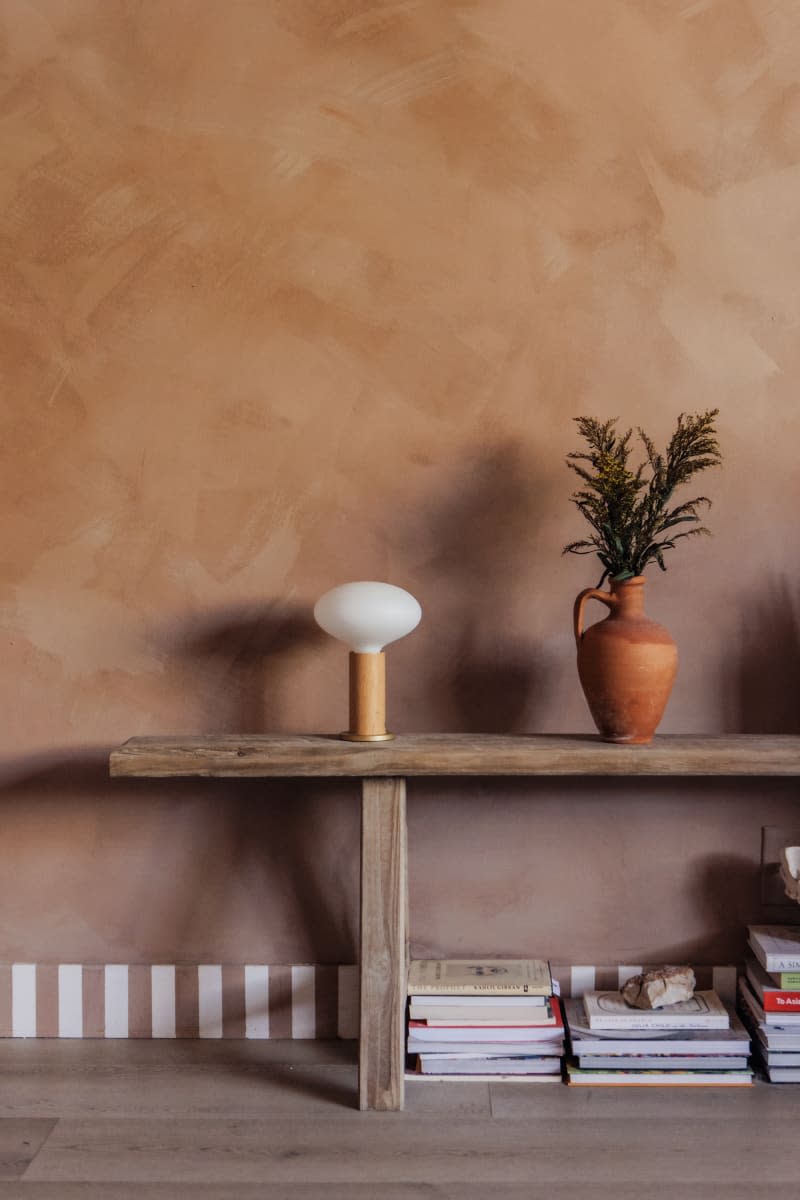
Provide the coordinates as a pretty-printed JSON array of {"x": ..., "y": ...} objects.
[{"x": 304, "y": 755}]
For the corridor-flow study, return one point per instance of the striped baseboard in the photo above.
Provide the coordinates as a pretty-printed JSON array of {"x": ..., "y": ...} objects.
[{"x": 72, "y": 1000}]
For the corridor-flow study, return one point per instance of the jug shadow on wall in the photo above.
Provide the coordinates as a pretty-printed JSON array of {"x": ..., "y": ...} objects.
[
  {"x": 481, "y": 676},
  {"x": 764, "y": 677}
]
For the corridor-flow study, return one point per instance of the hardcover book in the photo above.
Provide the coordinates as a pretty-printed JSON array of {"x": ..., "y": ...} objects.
[
  {"x": 500, "y": 1009},
  {"x": 775, "y": 1030},
  {"x": 473, "y": 1023},
  {"x": 777, "y": 947},
  {"x": 459, "y": 1049},
  {"x": 578, "y": 1077},
  {"x": 546, "y": 1015},
  {"x": 473, "y": 977},
  {"x": 766, "y": 1038},
  {"x": 482, "y": 1078},
  {"x": 608, "y": 1010},
  {"x": 772, "y": 998},
  {"x": 734, "y": 1040},
  {"x": 778, "y": 1068},
  {"x": 435, "y": 1064},
  {"x": 420, "y": 1031},
  {"x": 663, "y": 1062},
  {"x": 782, "y": 1074}
]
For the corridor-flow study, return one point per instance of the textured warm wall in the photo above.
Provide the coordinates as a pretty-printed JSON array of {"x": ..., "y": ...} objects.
[{"x": 301, "y": 291}]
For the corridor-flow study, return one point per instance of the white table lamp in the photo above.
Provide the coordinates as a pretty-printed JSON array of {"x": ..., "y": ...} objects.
[{"x": 367, "y": 616}]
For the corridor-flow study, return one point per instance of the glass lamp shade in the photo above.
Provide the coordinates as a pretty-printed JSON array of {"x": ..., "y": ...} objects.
[{"x": 367, "y": 616}]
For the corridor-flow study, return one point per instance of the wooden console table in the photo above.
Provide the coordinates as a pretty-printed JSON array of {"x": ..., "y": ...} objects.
[{"x": 383, "y": 769}]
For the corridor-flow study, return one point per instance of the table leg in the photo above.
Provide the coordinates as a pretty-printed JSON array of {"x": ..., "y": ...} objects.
[{"x": 384, "y": 944}]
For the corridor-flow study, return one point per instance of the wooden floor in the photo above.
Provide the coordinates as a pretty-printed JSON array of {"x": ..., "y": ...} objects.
[{"x": 163, "y": 1120}]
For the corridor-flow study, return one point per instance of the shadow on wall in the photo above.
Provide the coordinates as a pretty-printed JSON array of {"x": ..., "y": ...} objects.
[
  {"x": 765, "y": 683},
  {"x": 162, "y": 870},
  {"x": 242, "y": 656},
  {"x": 479, "y": 537},
  {"x": 727, "y": 889}
]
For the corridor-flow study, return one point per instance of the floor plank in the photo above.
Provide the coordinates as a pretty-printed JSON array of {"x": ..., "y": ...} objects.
[
  {"x": 20, "y": 1140},
  {"x": 168, "y": 1121},
  {"x": 195, "y": 1079},
  {"x": 109, "y": 1054},
  {"x": 355, "y": 1191},
  {"x": 186, "y": 1092},
  {"x": 207, "y": 1092},
  {"x": 381, "y": 1149}
]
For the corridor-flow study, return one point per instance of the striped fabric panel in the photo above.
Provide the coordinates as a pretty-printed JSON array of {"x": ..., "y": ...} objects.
[
  {"x": 305, "y": 1000},
  {"x": 71, "y": 1000}
]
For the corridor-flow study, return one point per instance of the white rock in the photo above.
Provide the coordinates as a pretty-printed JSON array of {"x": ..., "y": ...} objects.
[
  {"x": 655, "y": 989},
  {"x": 790, "y": 871}
]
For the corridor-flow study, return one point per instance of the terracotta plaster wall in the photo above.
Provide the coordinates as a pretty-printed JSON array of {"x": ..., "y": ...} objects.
[{"x": 301, "y": 291}]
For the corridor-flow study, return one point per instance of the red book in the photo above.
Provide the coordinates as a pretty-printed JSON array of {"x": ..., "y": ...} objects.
[{"x": 781, "y": 1001}]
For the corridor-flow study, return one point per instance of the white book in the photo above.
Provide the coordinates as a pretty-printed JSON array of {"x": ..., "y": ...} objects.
[
  {"x": 527, "y": 1009},
  {"x": 787, "y": 1071},
  {"x": 579, "y": 1078},
  {"x": 475, "y": 1002},
  {"x": 419, "y": 1077},
  {"x": 436, "y": 1064},
  {"x": 780, "y": 1058},
  {"x": 783, "y": 1074},
  {"x": 777, "y": 947},
  {"x": 608, "y": 1010},
  {"x": 480, "y": 1054},
  {"x": 775, "y": 1037},
  {"x": 663, "y": 1062},
  {"x": 734, "y": 1040},
  {"x": 512, "y": 1049},
  {"x": 780, "y": 999},
  {"x": 492, "y": 1023},
  {"x": 485, "y": 1033}
]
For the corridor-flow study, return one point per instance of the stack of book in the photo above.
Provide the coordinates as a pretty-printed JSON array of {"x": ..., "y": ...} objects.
[
  {"x": 769, "y": 997},
  {"x": 693, "y": 1043},
  {"x": 496, "y": 1018}
]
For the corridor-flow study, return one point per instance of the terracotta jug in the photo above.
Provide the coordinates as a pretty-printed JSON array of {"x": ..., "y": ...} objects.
[{"x": 626, "y": 663}]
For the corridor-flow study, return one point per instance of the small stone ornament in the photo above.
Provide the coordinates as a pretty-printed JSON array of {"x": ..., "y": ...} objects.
[
  {"x": 657, "y": 988},
  {"x": 790, "y": 871}
]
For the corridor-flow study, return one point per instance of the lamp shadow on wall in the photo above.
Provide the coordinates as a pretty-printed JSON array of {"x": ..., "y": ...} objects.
[
  {"x": 480, "y": 539},
  {"x": 764, "y": 677},
  {"x": 242, "y": 657}
]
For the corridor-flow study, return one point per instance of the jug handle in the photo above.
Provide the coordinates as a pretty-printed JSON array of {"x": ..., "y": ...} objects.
[{"x": 606, "y": 598}]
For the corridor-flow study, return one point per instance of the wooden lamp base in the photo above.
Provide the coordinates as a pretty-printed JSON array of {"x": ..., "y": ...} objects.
[{"x": 367, "y": 699}]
